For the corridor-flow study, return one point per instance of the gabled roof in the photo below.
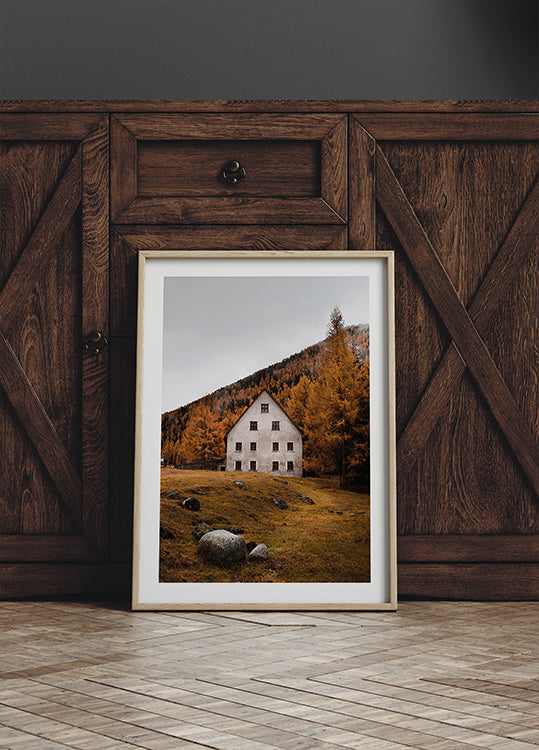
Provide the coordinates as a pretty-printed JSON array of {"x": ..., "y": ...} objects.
[{"x": 268, "y": 394}]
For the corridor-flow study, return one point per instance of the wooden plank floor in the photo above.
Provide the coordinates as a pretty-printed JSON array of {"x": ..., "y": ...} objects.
[{"x": 434, "y": 675}]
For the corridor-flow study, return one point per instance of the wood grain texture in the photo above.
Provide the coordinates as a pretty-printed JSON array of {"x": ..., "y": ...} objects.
[
  {"x": 453, "y": 313},
  {"x": 475, "y": 581},
  {"x": 95, "y": 316},
  {"x": 523, "y": 548},
  {"x": 434, "y": 676},
  {"x": 254, "y": 105},
  {"x": 192, "y": 168},
  {"x": 123, "y": 167},
  {"x": 334, "y": 156},
  {"x": 361, "y": 188},
  {"x": 61, "y": 579},
  {"x": 40, "y": 127},
  {"x": 39, "y": 428},
  {"x": 241, "y": 126},
  {"x": 444, "y": 127},
  {"x": 123, "y": 357},
  {"x": 229, "y": 211},
  {"x": 39, "y": 547},
  {"x": 498, "y": 281},
  {"x": 29, "y": 176}
]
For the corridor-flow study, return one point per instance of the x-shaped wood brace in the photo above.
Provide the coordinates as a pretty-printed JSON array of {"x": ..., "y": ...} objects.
[
  {"x": 467, "y": 350},
  {"x": 13, "y": 379}
]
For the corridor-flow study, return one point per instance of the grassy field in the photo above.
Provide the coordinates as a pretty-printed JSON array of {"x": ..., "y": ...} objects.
[{"x": 327, "y": 541}]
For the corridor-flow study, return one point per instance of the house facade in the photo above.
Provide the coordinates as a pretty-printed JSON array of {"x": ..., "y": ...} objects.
[{"x": 265, "y": 439}]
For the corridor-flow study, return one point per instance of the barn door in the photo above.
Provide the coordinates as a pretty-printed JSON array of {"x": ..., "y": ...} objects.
[
  {"x": 53, "y": 388},
  {"x": 456, "y": 196}
]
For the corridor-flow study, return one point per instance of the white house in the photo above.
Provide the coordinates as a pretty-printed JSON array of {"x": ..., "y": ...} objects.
[{"x": 265, "y": 439}]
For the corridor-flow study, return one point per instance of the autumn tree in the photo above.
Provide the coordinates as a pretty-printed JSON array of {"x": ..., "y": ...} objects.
[
  {"x": 336, "y": 420},
  {"x": 203, "y": 436}
]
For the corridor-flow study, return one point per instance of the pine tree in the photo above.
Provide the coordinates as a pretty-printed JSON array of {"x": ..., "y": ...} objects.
[
  {"x": 203, "y": 436},
  {"x": 337, "y": 410}
]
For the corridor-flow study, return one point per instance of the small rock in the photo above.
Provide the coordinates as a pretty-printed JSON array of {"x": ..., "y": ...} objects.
[
  {"x": 191, "y": 503},
  {"x": 260, "y": 552},
  {"x": 200, "y": 529},
  {"x": 282, "y": 481},
  {"x": 338, "y": 512},
  {"x": 200, "y": 492},
  {"x": 175, "y": 495},
  {"x": 240, "y": 484},
  {"x": 221, "y": 547},
  {"x": 307, "y": 500},
  {"x": 281, "y": 504},
  {"x": 250, "y": 546},
  {"x": 235, "y": 530},
  {"x": 165, "y": 533}
]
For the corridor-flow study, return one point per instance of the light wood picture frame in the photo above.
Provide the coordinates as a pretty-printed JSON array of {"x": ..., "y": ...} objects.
[{"x": 265, "y": 431}]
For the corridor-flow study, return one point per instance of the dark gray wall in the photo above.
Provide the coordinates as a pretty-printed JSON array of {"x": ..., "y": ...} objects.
[{"x": 245, "y": 49}]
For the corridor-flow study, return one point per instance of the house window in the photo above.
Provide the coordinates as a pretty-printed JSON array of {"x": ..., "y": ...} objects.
[
  {"x": 264, "y": 408},
  {"x": 290, "y": 466},
  {"x": 275, "y": 426},
  {"x": 253, "y": 446},
  {"x": 253, "y": 425},
  {"x": 290, "y": 446},
  {"x": 252, "y": 465},
  {"x": 238, "y": 465},
  {"x": 275, "y": 446},
  {"x": 238, "y": 446},
  {"x": 275, "y": 466}
]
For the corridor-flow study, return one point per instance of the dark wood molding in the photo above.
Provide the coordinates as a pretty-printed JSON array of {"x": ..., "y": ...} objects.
[
  {"x": 442, "y": 548},
  {"x": 472, "y": 581},
  {"x": 361, "y": 188},
  {"x": 260, "y": 106}
]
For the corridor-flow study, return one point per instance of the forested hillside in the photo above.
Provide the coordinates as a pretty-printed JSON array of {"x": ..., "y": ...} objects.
[{"x": 324, "y": 389}]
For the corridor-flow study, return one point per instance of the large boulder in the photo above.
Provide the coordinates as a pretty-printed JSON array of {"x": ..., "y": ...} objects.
[
  {"x": 240, "y": 484},
  {"x": 221, "y": 547},
  {"x": 260, "y": 552}
]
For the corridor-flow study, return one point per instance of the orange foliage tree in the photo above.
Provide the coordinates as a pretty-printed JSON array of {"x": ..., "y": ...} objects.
[
  {"x": 336, "y": 419},
  {"x": 203, "y": 436}
]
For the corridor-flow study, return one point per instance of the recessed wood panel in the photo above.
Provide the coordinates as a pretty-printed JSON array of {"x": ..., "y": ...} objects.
[{"x": 194, "y": 168}]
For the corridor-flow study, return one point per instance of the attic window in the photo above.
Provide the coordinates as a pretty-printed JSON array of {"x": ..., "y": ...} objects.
[
  {"x": 253, "y": 425},
  {"x": 275, "y": 426},
  {"x": 264, "y": 408}
]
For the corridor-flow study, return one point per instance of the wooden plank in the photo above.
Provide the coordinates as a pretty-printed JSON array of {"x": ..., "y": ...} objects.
[
  {"x": 456, "y": 319},
  {"x": 123, "y": 357},
  {"x": 361, "y": 190},
  {"x": 496, "y": 283},
  {"x": 38, "y": 547},
  {"x": 462, "y": 126},
  {"x": 95, "y": 313},
  {"x": 286, "y": 105},
  {"x": 40, "y": 430},
  {"x": 38, "y": 127},
  {"x": 242, "y": 125},
  {"x": 44, "y": 240},
  {"x": 334, "y": 175},
  {"x": 228, "y": 211},
  {"x": 473, "y": 548},
  {"x": 123, "y": 167},
  {"x": 475, "y": 581},
  {"x": 43, "y": 579},
  {"x": 226, "y": 237}
]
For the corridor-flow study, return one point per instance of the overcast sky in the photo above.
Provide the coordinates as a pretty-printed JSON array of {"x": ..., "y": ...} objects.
[{"x": 218, "y": 330}]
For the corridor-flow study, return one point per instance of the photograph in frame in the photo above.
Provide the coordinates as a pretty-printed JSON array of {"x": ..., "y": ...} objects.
[{"x": 265, "y": 431}]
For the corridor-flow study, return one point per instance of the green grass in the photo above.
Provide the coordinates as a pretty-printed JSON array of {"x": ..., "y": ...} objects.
[{"x": 324, "y": 542}]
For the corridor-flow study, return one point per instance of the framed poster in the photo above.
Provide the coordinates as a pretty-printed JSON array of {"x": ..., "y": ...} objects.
[{"x": 265, "y": 440}]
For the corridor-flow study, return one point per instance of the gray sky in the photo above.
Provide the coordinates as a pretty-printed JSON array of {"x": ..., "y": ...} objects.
[{"x": 218, "y": 330}]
